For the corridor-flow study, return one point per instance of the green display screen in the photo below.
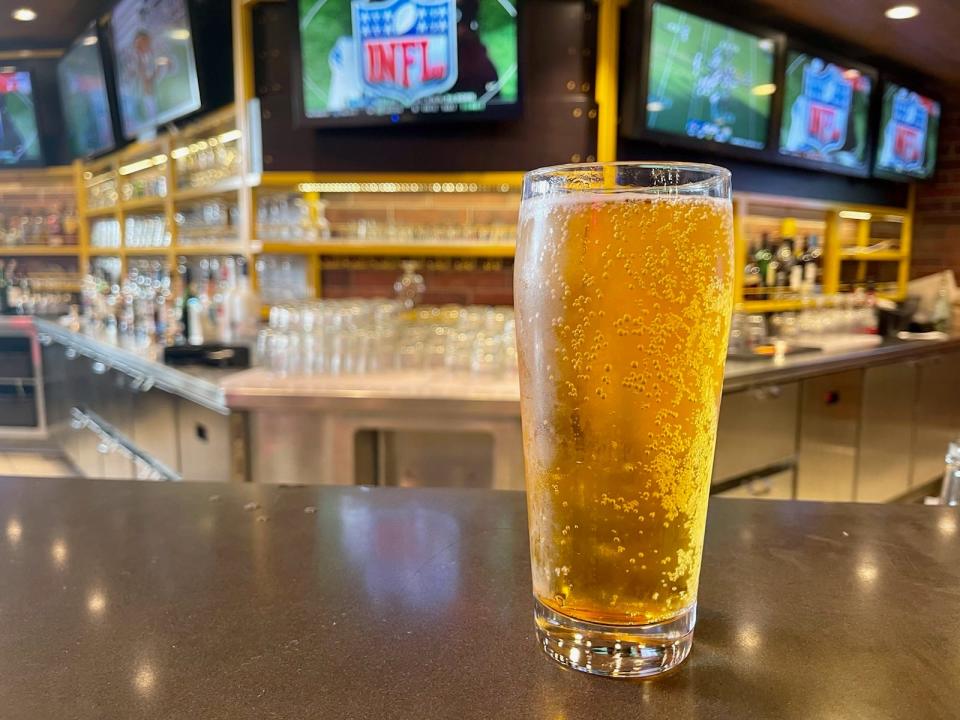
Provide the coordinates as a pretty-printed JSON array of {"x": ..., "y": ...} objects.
[
  {"x": 708, "y": 81},
  {"x": 909, "y": 123},
  {"x": 83, "y": 96},
  {"x": 390, "y": 57},
  {"x": 826, "y": 109},
  {"x": 19, "y": 137}
]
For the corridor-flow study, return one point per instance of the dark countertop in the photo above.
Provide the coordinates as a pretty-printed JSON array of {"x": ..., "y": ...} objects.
[{"x": 168, "y": 600}]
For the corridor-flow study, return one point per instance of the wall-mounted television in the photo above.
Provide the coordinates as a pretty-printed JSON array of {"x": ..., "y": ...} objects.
[
  {"x": 707, "y": 80},
  {"x": 372, "y": 62},
  {"x": 907, "y": 136},
  {"x": 84, "y": 97},
  {"x": 19, "y": 132},
  {"x": 825, "y": 121},
  {"x": 154, "y": 61}
]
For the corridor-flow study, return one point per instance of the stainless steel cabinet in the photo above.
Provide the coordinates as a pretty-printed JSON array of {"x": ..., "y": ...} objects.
[
  {"x": 886, "y": 432},
  {"x": 937, "y": 418},
  {"x": 155, "y": 426},
  {"x": 205, "y": 443},
  {"x": 757, "y": 429},
  {"x": 828, "y": 441},
  {"x": 778, "y": 486}
]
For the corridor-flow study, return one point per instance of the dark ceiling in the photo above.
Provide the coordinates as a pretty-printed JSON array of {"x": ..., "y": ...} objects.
[
  {"x": 926, "y": 43},
  {"x": 58, "y": 22}
]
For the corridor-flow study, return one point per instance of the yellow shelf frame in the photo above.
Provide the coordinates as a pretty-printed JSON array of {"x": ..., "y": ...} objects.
[{"x": 39, "y": 250}]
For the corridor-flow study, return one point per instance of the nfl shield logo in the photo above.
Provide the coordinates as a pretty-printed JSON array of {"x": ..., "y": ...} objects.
[
  {"x": 406, "y": 49},
  {"x": 829, "y": 96},
  {"x": 910, "y": 118}
]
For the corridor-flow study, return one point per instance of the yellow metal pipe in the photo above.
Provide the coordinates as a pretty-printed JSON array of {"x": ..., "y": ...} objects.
[{"x": 606, "y": 86}]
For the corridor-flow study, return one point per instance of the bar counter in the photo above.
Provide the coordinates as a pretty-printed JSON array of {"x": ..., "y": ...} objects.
[
  {"x": 173, "y": 600},
  {"x": 246, "y": 389}
]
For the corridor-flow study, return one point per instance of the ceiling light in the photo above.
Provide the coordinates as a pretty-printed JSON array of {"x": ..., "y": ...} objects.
[
  {"x": 179, "y": 34},
  {"x": 90, "y": 40},
  {"x": 902, "y": 12},
  {"x": 855, "y": 215},
  {"x": 24, "y": 14}
]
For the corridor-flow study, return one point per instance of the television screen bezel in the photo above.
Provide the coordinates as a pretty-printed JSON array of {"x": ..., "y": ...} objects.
[
  {"x": 115, "y": 62},
  {"x": 836, "y": 59},
  {"x": 920, "y": 89},
  {"x": 103, "y": 51},
  {"x": 40, "y": 161},
  {"x": 638, "y": 57},
  {"x": 513, "y": 111}
]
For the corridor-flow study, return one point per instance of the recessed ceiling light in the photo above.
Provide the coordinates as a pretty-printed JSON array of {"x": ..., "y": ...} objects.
[
  {"x": 24, "y": 14},
  {"x": 90, "y": 40},
  {"x": 902, "y": 12}
]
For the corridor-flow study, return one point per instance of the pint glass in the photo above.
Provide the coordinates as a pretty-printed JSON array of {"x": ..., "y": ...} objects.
[{"x": 623, "y": 286}]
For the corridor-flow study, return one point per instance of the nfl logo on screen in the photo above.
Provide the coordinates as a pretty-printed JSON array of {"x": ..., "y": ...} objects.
[
  {"x": 406, "y": 49},
  {"x": 819, "y": 115},
  {"x": 828, "y": 106},
  {"x": 910, "y": 130}
]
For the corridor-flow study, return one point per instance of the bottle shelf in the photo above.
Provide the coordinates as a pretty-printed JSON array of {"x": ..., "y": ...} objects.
[
  {"x": 146, "y": 203},
  {"x": 224, "y": 187},
  {"x": 867, "y": 256},
  {"x": 38, "y": 250}
]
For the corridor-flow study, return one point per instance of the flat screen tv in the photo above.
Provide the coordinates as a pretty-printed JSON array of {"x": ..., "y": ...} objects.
[
  {"x": 385, "y": 61},
  {"x": 907, "y": 142},
  {"x": 707, "y": 80},
  {"x": 84, "y": 97},
  {"x": 19, "y": 133},
  {"x": 155, "y": 65},
  {"x": 826, "y": 113}
]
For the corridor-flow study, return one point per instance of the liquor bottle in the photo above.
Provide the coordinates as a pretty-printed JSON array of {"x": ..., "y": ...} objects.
[
  {"x": 784, "y": 258},
  {"x": 763, "y": 257},
  {"x": 751, "y": 275},
  {"x": 71, "y": 224},
  {"x": 191, "y": 311},
  {"x": 3, "y": 290},
  {"x": 811, "y": 261},
  {"x": 244, "y": 308},
  {"x": 54, "y": 227},
  {"x": 796, "y": 270},
  {"x": 942, "y": 309}
]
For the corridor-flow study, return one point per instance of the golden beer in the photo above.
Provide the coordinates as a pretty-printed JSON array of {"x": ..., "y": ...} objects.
[{"x": 623, "y": 302}]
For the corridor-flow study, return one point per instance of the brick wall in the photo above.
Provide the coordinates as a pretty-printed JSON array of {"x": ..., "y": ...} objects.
[
  {"x": 936, "y": 234},
  {"x": 465, "y": 282}
]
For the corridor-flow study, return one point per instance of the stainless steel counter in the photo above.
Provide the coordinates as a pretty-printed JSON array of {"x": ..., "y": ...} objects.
[{"x": 261, "y": 389}]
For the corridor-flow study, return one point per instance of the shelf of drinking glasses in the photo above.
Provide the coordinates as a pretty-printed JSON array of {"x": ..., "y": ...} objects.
[
  {"x": 223, "y": 187},
  {"x": 144, "y": 203},
  {"x": 37, "y": 250},
  {"x": 495, "y": 250}
]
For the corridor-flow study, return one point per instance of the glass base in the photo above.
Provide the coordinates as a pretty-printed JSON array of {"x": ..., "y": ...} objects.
[{"x": 631, "y": 651}]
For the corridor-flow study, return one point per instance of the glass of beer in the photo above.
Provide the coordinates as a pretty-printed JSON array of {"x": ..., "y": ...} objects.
[{"x": 623, "y": 285}]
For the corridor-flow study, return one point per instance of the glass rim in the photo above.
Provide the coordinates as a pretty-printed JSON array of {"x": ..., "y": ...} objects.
[{"x": 712, "y": 173}]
